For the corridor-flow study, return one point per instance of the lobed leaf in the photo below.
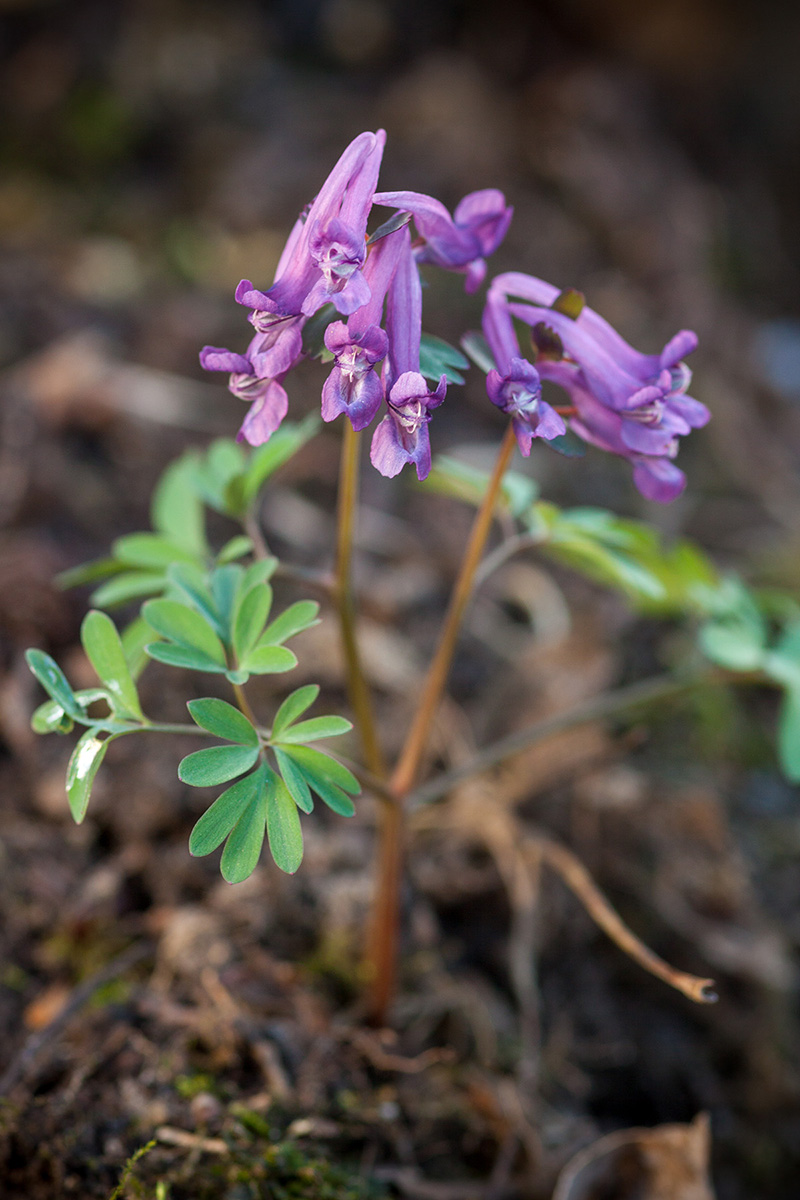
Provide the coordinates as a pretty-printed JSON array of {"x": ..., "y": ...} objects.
[
  {"x": 295, "y": 781},
  {"x": 294, "y": 706},
  {"x": 293, "y": 620},
  {"x": 223, "y": 721},
  {"x": 185, "y": 627},
  {"x": 316, "y": 727},
  {"x": 105, "y": 652},
  {"x": 250, "y": 616},
  {"x": 316, "y": 765},
  {"x": 217, "y": 764},
  {"x": 283, "y": 826},
  {"x": 243, "y": 847},
  {"x": 82, "y": 769},
  {"x": 218, "y": 820}
]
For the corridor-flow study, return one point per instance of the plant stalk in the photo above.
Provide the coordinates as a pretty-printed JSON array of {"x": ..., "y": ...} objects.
[{"x": 382, "y": 948}]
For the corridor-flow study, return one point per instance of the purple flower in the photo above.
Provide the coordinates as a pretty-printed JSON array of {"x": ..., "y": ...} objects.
[
  {"x": 325, "y": 252},
  {"x": 353, "y": 387},
  {"x": 249, "y": 381},
  {"x": 402, "y": 436},
  {"x": 629, "y": 403},
  {"x": 516, "y": 388},
  {"x": 461, "y": 242}
]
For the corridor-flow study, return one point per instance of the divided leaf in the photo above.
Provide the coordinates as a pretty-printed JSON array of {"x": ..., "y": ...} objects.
[
  {"x": 105, "y": 652},
  {"x": 185, "y": 627},
  {"x": 217, "y": 764},
  {"x": 218, "y": 820},
  {"x": 293, "y": 707},
  {"x": 297, "y": 617},
  {"x": 243, "y": 847},
  {"x": 295, "y": 781},
  {"x": 250, "y": 616},
  {"x": 223, "y": 721},
  {"x": 283, "y": 826}
]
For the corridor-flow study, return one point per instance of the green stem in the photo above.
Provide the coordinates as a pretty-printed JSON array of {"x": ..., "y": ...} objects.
[{"x": 383, "y": 942}]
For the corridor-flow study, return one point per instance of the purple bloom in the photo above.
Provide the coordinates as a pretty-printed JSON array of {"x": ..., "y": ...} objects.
[
  {"x": 516, "y": 388},
  {"x": 325, "y": 252},
  {"x": 249, "y": 381},
  {"x": 402, "y": 436},
  {"x": 353, "y": 387},
  {"x": 629, "y": 403},
  {"x": 461, "y": 242}
]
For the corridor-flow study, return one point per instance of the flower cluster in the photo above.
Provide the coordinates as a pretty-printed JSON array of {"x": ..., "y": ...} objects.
[{"x": 631, "y": 404}]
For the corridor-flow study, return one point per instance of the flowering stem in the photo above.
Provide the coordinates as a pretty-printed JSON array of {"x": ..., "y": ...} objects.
[
  {"x": 382, "y": 949},
  {"x": 357, "y": 688}
]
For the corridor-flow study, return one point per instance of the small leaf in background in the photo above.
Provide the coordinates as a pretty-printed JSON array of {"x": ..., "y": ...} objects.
[
  {"x": 437, "y": 357},
  {"x": 391, "y": 226},
  {"x": 284, "y": 443},
  {"x": 177, "y": 510},
  {"x": 149, "y": 550},
  {"x": 315, "y": 728},
  {"x": 89, "y": 572},
  {"x": 243, "y": 847},
  {"x": 184, "y": 626},
  {"x": 130, "y": 585},
  {"x": 134, "y": 637},
  {"x": 217, "y": 764},
  {"x": 54, "y": 682},
  {"x": 81, "y": 771},
  {"x": 454, "y": 477},
  {"x": 105, "y": 652},
  {"x": 51, "y": 718},
  {"x": 475, "y": 345},
  {"x": 223, "y": 462},
  {"x": 732, "y": 644},
  {"x": 181, "y": 656},
  {"x": 295, "y": 781},
  {"x": 191, "y": 584},
  {"x": 569, "y": 445},
  {"x": 314, "y": 332},
  {"x": 789, "y": 733},
  {"x": 225, "y": 583},
  {"x": 218, "y": 820},
  {"x": 237, "y": 547},
  {"x": 293, "y": 707},
  {"x": 223, "y": 720},
  {"x": 269, "y": 660},
  {"x": 250, "y": 616},
  {"x": 297, "y": 617},
  {"x": 260, "y": 571},
  {"x": 283, "y": 826}
]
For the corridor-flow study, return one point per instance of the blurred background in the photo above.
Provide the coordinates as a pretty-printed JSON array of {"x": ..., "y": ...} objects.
[{"x": 154, "y": 152}]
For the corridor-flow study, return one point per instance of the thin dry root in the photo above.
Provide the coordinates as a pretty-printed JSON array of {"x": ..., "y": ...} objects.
[{"x": 578, "y": 879}]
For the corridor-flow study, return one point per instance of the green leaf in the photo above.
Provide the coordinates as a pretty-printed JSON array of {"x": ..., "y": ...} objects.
[
  {"x": 269, "y": 660},
  {"x": 314, "y": 332},
  {"x": 81, "y": 770},
  {"x": 135, "y": 637},
  {"x": 225, "y": 583},
  {"x": 317, "y": 727},
  {"x": 283, "y": 826},
  {"x": 243, "y": 847},
  {"x": 297, "y": 617},
  {"x": 89, "y": 572},
  {"x": 218, "y": 820},
  {"x": 569, "y": 445},
  {"x": 260, "y": 571},
  {"x": 437, "y": 357},
  {"x": 391, "y": 226},
  {"x": 177, "y": 510},
  {"x": 223, "y": 720},
  {"x": 237, "y": 547},
  {"x": 732, "y": 644},
  {"x": 51, "y": 718},
  {"x": 250, "y": 616},
  {"x": 130, "y": 585},
  {"x": 294, "y": 706},
  {"x": 192, "y": 584},
  {"x": 217, "y": 764},
  {"x": 315, "y": 764},
  {"x": 789, "y": 734},
  {"x": 475, "y": 345},
  {"x": 149, "y": 550},
  {"x": 184, "y": 626},
  {"x": 332, "y": 795},
  {"x": 238, "y": 677},
  {"x": 452, "y": 477},
  {"x": 105, "y": 652},
  {"x": 54, "y": 682},
  {"x": 295, "y": 781},
  {"x": 264, "y": 461},
  {"x": 181, "y": 656}
]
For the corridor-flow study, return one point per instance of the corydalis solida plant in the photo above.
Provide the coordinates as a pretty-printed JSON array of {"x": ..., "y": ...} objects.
[{"x": 357, "y": 298}]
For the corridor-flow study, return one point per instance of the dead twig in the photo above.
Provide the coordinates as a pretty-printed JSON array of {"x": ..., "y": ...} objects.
[{"x": 191, "y": 1141}]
